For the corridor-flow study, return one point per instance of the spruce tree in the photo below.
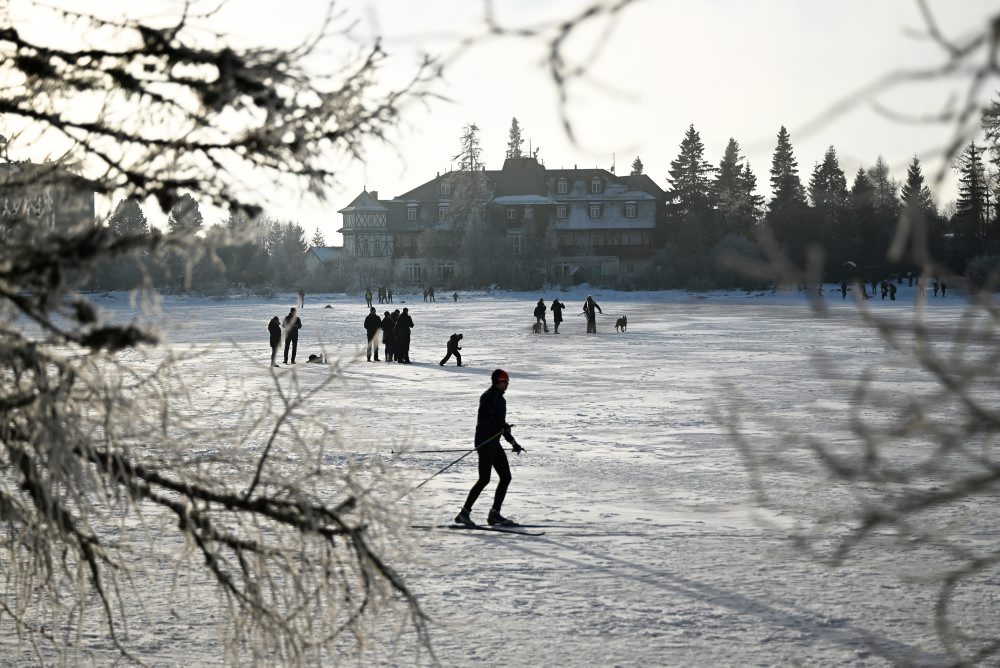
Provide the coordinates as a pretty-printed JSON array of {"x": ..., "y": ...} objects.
[
  {"x": 185, "y": 216},
  {"x": 734, "y": 193},
  {"x": 861, "y": 225},
  {"x": 787, "y": 212},
  {"x": 514, "y": 142},
  {"x": 468, "y": 156},
  {"x": 884, "y": 191},
  {"x": 317, "y": 239},
  {"x": 689, "y": 198},
  {"x": 828, "y": 192},
  {"x": 636, "y": 167},
  {"x": 128, "y": 219},
  {"x": 919, "y": 216},
  {"x": 916, "y": 196},
  {"x": 972, "y": 213}
]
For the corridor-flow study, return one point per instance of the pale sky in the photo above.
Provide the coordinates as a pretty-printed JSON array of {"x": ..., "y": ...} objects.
[{"x": 733, "y": 68}]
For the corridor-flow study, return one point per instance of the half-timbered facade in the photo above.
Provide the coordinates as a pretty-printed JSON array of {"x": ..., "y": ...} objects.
[{"x": 594, "y": 225}]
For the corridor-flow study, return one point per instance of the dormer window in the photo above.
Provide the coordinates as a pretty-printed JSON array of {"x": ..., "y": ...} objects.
[
  {"x": 411, "y": 212},
  {"x": 562, "y": 186},
  {"x": 442, "y": 212},
  {"x": 595, "y": 184},
  {"x": 560, "y": 211},
  {"x": 445, "y": 188}
]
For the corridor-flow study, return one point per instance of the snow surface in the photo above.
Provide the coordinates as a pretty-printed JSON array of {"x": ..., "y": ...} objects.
[{"x": 656, "y": 554}]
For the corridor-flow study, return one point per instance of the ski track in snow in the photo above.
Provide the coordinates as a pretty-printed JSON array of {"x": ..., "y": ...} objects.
[{"x": 657, "y": 555}]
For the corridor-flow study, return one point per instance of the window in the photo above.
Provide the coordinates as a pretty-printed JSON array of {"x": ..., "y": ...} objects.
[
  {"x": 560, "y": 211},
  {"x": 411, "y": 213},
  {"x": 529, "y": 212},
  {"x": 445, "y": 188},
  {"x": 446, "y": 270},
  {"x": 595, "y": 209},
  {"x": 595, "y": 184},
  {"x": 562, "y": 187},
  {"x": 442, "y": 212},
  {"x": 511, "y": 214},
  {"x": 630, "y": 209},
  {"x": 365, "y": 250},
  {"x": 414, "y": 271},
  {"x": 515, "y": 241}
]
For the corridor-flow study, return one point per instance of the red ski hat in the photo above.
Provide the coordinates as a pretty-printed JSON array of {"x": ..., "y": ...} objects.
[{"x": 499, "y": 374}]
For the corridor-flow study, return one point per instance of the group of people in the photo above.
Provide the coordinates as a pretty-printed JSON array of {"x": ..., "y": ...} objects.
[
  {"x": 394, "y": 331},
  {"x": 287, "y": 328},
  {"x": 590, "y": 310},
  {"x": 887, "y": 288}
]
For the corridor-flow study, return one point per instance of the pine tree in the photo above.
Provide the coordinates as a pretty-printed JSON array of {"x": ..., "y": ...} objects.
[
  {"x": 916, "y": 196},
  {"x": 468, "y": 156},
  {"x": 787, "y": 212},
  {"x": 128, "y": 219},
  {"x": 919, "y": 215},
  {"x": 185, "y": 216},
  {"x": 971, "y": 220},
  {"x": 514, "y": 142},
  {"x": 636, "y": 167},
  {"x": 689, "y": 198},
  {"x": 884, "y": 191},
  {"x": 828, "y": 191},
  {"x": 317, "y": 239},
  {"x": 734, "y": 193}
]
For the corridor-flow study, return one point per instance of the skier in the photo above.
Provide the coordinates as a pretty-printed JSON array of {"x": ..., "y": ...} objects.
[
  {"x": 453, "y": 349},
  {"x": 491, "y": 424},
  {"x": 540, "y": 315},
  {"x": 292, "y": 324},
  {"x": 274, "y": 329},
  {"x": 373, "y": 324},
  {"x": 557, "y": 309},
  {"x": 589, "y": 307}
]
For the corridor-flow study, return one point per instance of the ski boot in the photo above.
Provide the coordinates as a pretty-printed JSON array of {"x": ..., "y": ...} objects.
[
  {"x": 496, "y": 519},
  {"x": 463, "y": 518}
]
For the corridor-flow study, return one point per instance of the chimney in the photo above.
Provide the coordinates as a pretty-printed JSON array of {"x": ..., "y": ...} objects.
[{"x": 374, "y": 194}]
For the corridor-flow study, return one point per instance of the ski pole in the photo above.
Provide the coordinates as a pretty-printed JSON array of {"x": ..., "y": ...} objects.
[
  {"x": 410, "y": 491},
  {"x": 424, "y": 452}
]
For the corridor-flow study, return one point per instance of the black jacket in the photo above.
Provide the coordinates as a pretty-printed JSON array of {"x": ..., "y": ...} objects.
[
  {"x": 540, "y": 311},
  {"x": 292, "y": 328},
  {"x": 372, "y": 324},
  {"x": 491, "y": 421},
  {"x": 403, "y": 324},
  {"x": 274, "y": 328},
  {"x": 387, "y": 327},
  {"x": 556, "y": 308},
  {"x": 453, "y": 346}
]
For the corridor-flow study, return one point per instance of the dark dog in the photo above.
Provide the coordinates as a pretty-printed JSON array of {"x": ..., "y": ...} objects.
[
  {"x": 621, "y": 323},
  {"x": 536, "y": 328}
]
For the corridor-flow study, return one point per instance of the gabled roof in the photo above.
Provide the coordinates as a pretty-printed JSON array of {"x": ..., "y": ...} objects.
[
  {"x": 645, "y": 184},
  {"x": 364, "y": 202}
]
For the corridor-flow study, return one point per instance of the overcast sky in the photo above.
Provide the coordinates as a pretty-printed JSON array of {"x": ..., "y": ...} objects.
[{"x": 733, "y": 68}]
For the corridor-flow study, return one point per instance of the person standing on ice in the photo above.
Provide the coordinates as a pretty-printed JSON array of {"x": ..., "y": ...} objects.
[
  {"x": 274, "y": 329},
  {"x": 557, "y": 309},
  {"x": 491, "y": 424},
  {"x": 373, "y": 324},
  {"x": 540, "y": 315},
  {"x": 589, "y": 308},
  {"x": 292, "y": 325}
]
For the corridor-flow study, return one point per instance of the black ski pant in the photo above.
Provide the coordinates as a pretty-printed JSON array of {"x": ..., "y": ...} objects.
[
  {"x": 293, "y": 341},
  {"x": 458, "y": 356},
  {"x": 491, "y": 456}
]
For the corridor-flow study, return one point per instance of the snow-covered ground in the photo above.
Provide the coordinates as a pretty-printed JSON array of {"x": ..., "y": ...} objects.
[{"x": 656, "y": 554}]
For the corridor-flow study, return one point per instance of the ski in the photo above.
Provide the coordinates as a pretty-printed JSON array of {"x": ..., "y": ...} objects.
[{"x": 483, "y": 527}]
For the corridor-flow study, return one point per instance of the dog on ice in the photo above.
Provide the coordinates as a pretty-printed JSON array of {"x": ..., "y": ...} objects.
[
  {"x": 621, "y": 323},
  {"x": 536, "y": 328}
]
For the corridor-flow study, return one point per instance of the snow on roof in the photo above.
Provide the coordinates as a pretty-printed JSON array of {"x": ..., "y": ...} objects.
[{"x": 523, "y": 199}]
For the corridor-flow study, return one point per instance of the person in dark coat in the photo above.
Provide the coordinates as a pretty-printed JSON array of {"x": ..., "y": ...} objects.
[
  {"x": 590, "y": 310},
  {"x": 491, "y": 424},
  {"x": 387, "y": 326},
  {"x": 557, "y": 309},
  {"x": 453, "y": 349},
  {"x": 274, "y": 329},
  {"x": 540, "y": 315},
  {"x": 373, "y": 325},
  {"x": 292, "y": 324},
  {"x": 401, "y": 336}
]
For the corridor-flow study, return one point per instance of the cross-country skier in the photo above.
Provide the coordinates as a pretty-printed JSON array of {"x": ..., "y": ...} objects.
[
  {"x": 588, "y": 310},
  {"x": 491, "y": 424}
]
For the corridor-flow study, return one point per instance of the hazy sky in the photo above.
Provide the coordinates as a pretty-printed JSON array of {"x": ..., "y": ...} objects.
[{"x": 733, "y": 68}]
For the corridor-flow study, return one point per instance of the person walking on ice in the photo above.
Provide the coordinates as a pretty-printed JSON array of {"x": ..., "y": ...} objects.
[
  {"x": 589, "y": 307},
  {"x": 491, "y": 424},
  {"x": 373, "y": 326},
  {"x": 453, "y": 349}
]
